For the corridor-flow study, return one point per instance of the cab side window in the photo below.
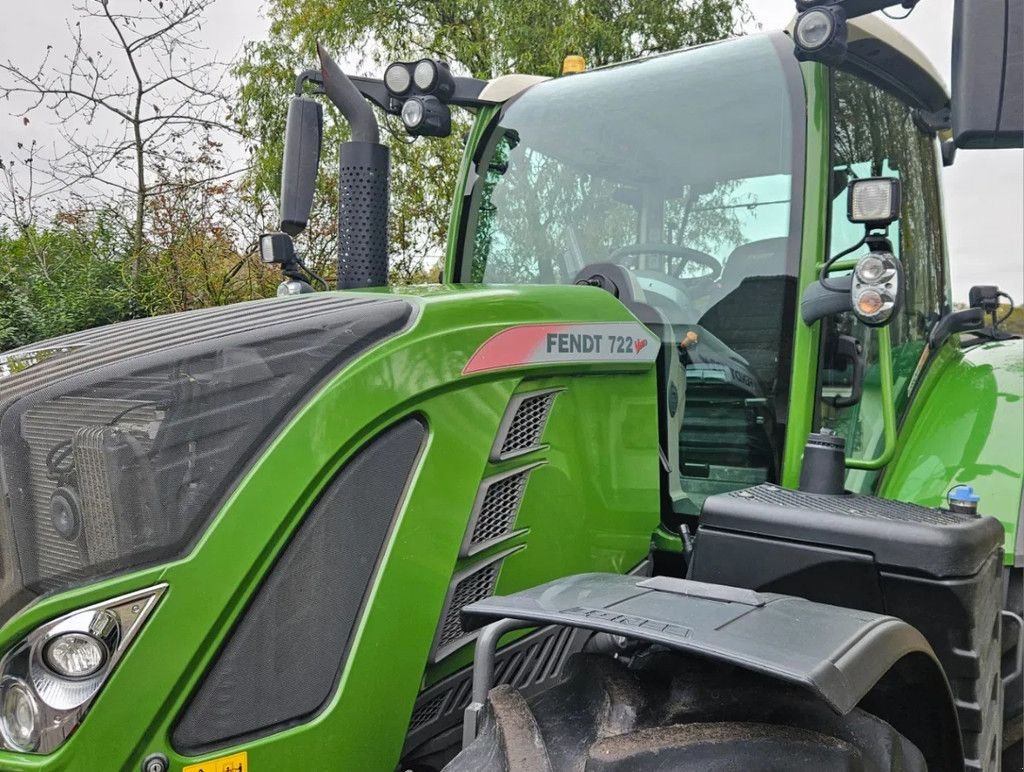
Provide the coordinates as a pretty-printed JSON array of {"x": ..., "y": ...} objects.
[{"x": 875, "y": 134}]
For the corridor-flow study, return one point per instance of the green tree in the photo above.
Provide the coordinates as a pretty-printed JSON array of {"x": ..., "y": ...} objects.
[
  {"x": 67, "y": 277},
  {"x": 482, "y": 39}
]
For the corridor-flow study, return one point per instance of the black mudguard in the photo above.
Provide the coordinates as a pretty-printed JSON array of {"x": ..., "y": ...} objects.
[{"x": 847, "y": 658}]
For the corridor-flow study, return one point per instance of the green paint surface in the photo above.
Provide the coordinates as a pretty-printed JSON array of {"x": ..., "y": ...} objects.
[
  {"x": 590, "y": 506},
  {"x": 965, "y": 426}
]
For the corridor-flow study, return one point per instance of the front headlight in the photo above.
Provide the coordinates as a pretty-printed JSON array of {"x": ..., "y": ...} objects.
[
  {"x": 19, "y": 716},
  {"x": 49, "y": 679},
  {"x": 75, "y": 655}
]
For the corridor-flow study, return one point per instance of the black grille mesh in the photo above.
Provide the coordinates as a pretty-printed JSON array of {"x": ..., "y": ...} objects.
[
  {"x": 282, "y": 661},
  {"x": 527, "y": 425},
  {"x": 476, "y": 585},
  {"x": 429, "y": 711},
  {"x": 860, "y": 506},
  {"x": 499, "y": 508}
]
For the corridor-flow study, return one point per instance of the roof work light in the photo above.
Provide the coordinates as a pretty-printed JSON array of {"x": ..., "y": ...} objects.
[
  {"x": 420, "y": 92},
  {"x": 820, "y": 34}
]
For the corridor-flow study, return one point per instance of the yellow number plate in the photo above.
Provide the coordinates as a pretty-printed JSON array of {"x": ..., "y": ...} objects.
[{"x": 237, "y": 762}]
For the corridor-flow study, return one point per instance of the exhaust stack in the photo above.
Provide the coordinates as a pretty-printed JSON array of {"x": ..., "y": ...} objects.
[{"x": 363, "y": 186}]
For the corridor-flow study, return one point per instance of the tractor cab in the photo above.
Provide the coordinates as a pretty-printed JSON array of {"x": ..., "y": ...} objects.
[
  {"x": 675, "y": 183},
  {"x": 694, "y": 187}
]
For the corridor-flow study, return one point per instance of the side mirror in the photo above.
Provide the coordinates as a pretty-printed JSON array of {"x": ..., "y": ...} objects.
[
  {"x": 843, "y": 352},
  {"x": 988, "y": 80},
  {"x": 302, "y": 139}
]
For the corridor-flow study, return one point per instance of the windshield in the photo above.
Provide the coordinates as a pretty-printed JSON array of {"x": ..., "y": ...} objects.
[{"x": 682, "y": 170}]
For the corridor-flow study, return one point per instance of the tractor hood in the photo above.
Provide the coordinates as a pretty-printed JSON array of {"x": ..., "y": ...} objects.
[{"x": 118, "y": 444}]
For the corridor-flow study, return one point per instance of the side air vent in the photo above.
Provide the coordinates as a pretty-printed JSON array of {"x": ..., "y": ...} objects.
[
  {"x": 529, "y": 664},
  {"x": 494, "y": 512},
  {"x": 523, "y": 425},
  {"x": 282, "y": 660},
  {"x": 475, "y": 583}
]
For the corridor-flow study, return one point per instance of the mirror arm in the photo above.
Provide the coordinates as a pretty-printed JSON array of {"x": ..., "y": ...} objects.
[
  {"x": 309, "y": 76},
  {"x": 855, "y": 8},
  {"x": 958, "y": 321},
  {"x": 819, "y": 301}
]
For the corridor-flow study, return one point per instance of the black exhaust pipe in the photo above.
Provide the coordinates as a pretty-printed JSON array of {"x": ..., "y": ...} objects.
[{"x": 363, "y": 186}]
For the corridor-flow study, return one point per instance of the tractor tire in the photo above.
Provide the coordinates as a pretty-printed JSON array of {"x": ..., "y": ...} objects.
[
  {"x": 1013, "y": 694},
  {"x": 670, "y": 712}
]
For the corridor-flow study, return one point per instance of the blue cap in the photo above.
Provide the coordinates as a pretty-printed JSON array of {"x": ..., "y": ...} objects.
[{"x": 965, "y": 494}]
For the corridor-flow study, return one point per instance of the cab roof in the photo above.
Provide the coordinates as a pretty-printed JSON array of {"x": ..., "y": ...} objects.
[{"x": 876, "y": 52}]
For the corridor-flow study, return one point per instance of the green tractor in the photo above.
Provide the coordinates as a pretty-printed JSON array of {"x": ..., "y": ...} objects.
[{"x": 689, "y": 463}]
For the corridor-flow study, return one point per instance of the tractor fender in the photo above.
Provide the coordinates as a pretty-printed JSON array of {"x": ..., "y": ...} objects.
[
  {"x": 963, "y": 427},
  {"x": 847, "y": 658}
]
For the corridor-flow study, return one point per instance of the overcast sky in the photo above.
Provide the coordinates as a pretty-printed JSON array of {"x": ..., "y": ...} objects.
[{"x": 984, "y": 190}]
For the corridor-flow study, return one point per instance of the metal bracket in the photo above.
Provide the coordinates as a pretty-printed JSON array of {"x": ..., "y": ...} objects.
[
  {"x": 855, "y": 8},
  {"x": 483, "y": 673}
]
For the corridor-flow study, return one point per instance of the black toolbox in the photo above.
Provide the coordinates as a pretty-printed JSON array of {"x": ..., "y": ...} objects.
[{"x": 938, "y": 570}]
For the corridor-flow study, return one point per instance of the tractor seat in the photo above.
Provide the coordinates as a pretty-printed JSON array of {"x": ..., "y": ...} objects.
[{"x": 750, "y": 315}]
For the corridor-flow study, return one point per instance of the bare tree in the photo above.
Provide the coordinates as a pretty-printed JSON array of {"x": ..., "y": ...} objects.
[{"x": 141, "y": 84}]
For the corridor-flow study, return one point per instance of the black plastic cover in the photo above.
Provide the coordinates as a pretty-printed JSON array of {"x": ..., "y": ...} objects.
[
  {"x": 838, "y": 654},
  {"x": 933, "y": 542},
  {"x": 117, "y": 444},
  {"x": 935, "y": 569}
]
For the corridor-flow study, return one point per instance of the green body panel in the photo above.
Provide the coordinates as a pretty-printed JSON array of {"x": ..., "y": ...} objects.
[
  {"x": 476, "y": 134},
  {"x": 965, "y": 426},
  {"x": 806, "y": 340},
  {"x": 582, "y": 512}
]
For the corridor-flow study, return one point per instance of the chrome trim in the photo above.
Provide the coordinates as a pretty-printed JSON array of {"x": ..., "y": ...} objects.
[{"x": 62, "y": 702}]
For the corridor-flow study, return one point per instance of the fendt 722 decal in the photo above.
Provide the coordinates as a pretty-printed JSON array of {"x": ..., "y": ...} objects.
[{"x": 627, "y": 342}]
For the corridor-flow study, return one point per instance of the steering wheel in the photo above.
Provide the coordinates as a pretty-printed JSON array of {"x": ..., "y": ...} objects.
[{"x": 667, "y": 251}]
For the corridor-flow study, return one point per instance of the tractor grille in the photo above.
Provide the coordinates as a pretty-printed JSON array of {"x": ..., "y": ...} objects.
[
  {"x": 523, "y": 426},
  {"x": 469, "y": 586},
  {"x": 496, "y": 508},
  {"x": 493, "y": 520}
]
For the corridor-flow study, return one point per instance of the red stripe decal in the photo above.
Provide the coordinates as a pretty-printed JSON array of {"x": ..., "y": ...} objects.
[{"x": 509, "y": 348}]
